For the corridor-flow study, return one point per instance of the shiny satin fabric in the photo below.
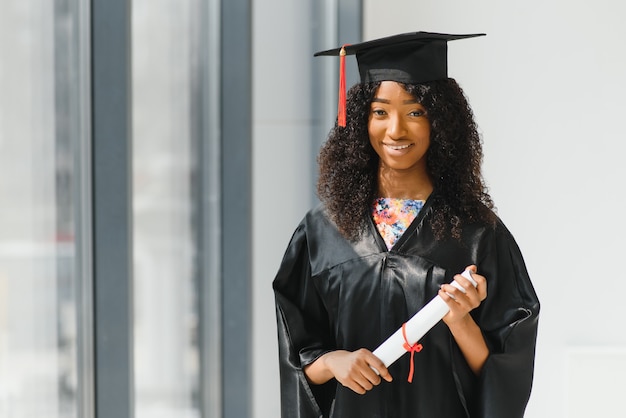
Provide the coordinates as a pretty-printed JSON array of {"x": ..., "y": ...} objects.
[{"x": 335, "y": 294}]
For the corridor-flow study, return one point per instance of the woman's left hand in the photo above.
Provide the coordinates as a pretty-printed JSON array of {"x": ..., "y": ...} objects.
[{"x": 462, "y": 302}]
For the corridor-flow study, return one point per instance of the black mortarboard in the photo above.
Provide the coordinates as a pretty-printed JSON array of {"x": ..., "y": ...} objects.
[{"x": 411, "y": 58}]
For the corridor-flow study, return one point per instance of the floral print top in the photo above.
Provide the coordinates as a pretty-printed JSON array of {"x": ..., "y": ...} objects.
[{"x": 393, "y": 216}]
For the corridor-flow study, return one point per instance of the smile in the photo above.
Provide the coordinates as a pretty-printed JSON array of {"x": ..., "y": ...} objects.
[{"x": 398, "y": 147}]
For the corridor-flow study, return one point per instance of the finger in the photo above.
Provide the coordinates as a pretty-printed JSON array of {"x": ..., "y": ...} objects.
[
  {"x": 481, "y": 282},
  {"x": 453, "y": 292},
  {"x": 387, "y": 376},
  {"x": 379, "y": 368},
  {"x": 458, "y": 301},
  {"x": 448, "y": 296},
  {"x": 456, "y": 310},
  {"x": 355, "y": 387},
  {"x": 468, "y": 300},
  {"x": 482, "y": 292},
  {"x": 374, "y": 370},
  {"x": 472, "y": 298},
  {"x": 465, "y": 282},
  {"x": 472, "y": 268},
  {"x": 365, "y": 379},
  {"x": 364, "y": 383},
  {"x": 372, "y": 377},
  {"x": 460, "y": 283},
  {"x": 364, "y": 368}
]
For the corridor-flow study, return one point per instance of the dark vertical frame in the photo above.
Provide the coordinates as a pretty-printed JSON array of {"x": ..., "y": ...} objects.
[
  {"x": 236, "y": 201},
  {"x": 112, "y": 207}
]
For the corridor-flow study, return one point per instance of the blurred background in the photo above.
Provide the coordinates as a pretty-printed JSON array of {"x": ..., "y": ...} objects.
[{"x": 156, "y": 156}]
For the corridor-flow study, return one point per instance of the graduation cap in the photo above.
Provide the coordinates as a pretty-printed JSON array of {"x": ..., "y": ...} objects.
[{"x": 410, "y": 58}]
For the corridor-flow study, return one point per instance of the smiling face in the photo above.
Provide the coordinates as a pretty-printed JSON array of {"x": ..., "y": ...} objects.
[{"x": 399, "y": 129}]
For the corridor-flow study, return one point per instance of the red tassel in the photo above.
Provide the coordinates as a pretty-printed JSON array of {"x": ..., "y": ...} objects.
[{"x": 341, "y": 111}]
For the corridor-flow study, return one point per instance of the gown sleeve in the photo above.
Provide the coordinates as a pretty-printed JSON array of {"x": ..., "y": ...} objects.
[
  {"x": 509, "y": 320},
  {"x": 303, "y": 333}
]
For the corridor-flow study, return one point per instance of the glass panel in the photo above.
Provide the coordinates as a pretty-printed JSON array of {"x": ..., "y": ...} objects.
[
  {"x": 39, "y": 139},
  {"x": 166, "y": 313}
]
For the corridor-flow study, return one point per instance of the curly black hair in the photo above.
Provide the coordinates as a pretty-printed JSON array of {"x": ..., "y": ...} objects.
[{"x": 348, "y": 164}]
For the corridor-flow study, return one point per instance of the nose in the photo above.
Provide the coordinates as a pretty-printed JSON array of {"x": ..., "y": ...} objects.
[{"x": 396, "y": 129}]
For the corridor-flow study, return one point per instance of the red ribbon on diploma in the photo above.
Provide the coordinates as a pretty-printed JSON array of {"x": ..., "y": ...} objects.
[{"x": 415, "y": 348}]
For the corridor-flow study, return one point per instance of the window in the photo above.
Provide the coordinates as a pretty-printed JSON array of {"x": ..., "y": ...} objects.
[
  {"x": 42, "y": 336},
  {"x": 166, "y": 326}
]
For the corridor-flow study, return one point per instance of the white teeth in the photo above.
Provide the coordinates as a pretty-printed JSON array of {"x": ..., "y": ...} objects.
[{"x": 399, "y": 147}]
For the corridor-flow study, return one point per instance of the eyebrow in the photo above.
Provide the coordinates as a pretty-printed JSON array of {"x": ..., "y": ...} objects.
[{"x": 411, "y": 101}]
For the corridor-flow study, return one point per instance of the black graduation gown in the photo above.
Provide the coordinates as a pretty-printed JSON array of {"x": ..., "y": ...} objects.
[{"x": 335, "y": 294}]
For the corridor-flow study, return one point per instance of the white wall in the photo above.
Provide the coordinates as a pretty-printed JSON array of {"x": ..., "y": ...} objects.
[
  {"x": 548, "y": 89},
  {"x": 282, "y": 171}
]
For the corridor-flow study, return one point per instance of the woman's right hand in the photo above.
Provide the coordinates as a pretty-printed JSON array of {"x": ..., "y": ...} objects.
[{"x": 353, "y": 369}]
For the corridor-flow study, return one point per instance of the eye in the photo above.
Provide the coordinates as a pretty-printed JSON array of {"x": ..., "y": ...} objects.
[
  {"x": 378, "y": 112},
  {"x": 417, "y": 113}
]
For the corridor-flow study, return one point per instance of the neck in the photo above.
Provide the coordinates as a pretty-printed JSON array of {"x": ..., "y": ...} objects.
[{"x": 413, "y": 183}]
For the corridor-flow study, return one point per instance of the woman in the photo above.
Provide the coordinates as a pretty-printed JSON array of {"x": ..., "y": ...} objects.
[{"x": 404, "y": 210}]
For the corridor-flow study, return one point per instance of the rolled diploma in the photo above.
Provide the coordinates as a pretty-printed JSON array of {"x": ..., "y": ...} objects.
[{"x": 418, "y": 325}]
